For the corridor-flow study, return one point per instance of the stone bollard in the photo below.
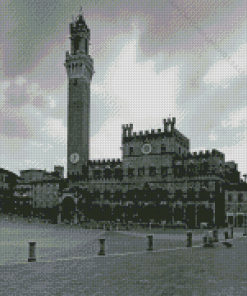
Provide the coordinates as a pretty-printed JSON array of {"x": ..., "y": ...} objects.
[
  {"x": 102, "y": 246},
  {"x": 226, "y": 234},
  {"x": 32, "y": 256},
  {"x": 150, "y": 242},
  {"x": 189, "y": 239}
]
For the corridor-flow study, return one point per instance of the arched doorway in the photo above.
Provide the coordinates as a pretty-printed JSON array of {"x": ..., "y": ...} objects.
[
  {"x": 204, "y": 195},
  {"x": 203, "y": 214},
  {"x": 178, "y": 213},
  {"x": 68, "y": 209},
  {"x": 83, "y": 205},
  {"x": 190, "y": 216}
]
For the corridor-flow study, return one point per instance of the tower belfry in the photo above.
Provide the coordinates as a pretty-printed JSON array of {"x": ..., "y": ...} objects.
[{"x": 79, "y": 66}]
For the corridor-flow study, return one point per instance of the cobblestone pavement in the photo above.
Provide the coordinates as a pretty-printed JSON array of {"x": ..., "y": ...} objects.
[{"x": 185, "y": 271}]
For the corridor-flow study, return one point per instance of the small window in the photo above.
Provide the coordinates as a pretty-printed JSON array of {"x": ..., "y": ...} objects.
[
  {"x": 130, "y": 172},
  {"x": 178, "y": 171},
  {"x": 108, "y": 173},
  {"x": 141, "y": 172},
  {"x": 97, "y": 174},
  {"x": 191, "y": 169},
  {"x": 163, "y": 149},
  {"x": 179, "y": 149},
  {"x": 152, "y": 171},
  {"x": 229, "y": 198},
  {"x": 240, "y": 197},
  {"x": 131, "y": 151},
  {"x": 164, "y": 171}
]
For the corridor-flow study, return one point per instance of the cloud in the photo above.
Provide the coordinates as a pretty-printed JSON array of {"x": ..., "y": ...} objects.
[
  {"x": 20, "y": 80},
  {"x": 213, "y": 137},
  {"x": 136, "y": 92},
  {"x": 230, "y": 67},
  {"x": 56, "y": 130},
  {"x": 236, "y": 119}
]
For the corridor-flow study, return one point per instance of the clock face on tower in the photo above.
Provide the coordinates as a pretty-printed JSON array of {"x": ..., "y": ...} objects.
[
  {"x": 146, "y": 148},
  {"x": 74, "y": 158}
]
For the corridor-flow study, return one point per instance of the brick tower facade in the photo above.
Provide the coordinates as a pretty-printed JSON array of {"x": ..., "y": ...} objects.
[{"x": 79, "y": 66}]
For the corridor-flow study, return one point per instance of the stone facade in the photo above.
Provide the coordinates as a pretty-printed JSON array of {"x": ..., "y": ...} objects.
[
  {"x": 40, "y": 187},
  {"x": 157, "y": 179},
  {"x": 7, "y": 185},
  {"x": 236, "y": 204},
  {"x": 79, "y": 67}
]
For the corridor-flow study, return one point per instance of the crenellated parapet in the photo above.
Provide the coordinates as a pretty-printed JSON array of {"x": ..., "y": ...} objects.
[
  {"x": 205, "y": 154},
  {"x": 169, "y": 124},
  {"x": 169, "y": 131},
  {"x": 104, "y": 163}
]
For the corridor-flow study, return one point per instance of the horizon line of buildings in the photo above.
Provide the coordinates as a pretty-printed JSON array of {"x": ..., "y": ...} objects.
[{"x": 186, "y": 178}]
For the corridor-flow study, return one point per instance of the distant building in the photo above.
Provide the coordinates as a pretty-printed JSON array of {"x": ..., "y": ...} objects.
[
  {"x": 7, "y": 185},
  {"x": 40, "y": 188}
]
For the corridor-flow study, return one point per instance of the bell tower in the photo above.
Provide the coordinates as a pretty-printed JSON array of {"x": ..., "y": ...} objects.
[{"x": 79, "y": 66}]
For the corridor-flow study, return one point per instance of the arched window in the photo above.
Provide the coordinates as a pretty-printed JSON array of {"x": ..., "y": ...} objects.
[
  {"x": 118, "y": 196},
  {"x": 108, "y": 172},
  {"x": 96, "y": 196},
  {"x": 107, "y": 196},
  {"x": 191, "y": 195},
  {"x": 204, "y": 195},
  {"x": 204, "y": 167},
  {"x": 163, "y": 149},
  {"x": 179, "y": 171},
  {"x": 141, "y": 171},
  {"x": 191, "y": 169},
  {"x": 118, "y": 173},
  {"x": 240, "y": 197},
  {"x": 152, "y": 171},
  {"x": 178, "y": 195},
  {"x": 131, "y": 172},
  {"x": 97, "y": 173},
  {"x": 164, "y": 171}
]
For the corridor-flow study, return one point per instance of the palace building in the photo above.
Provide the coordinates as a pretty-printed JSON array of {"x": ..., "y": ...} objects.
[{"x": 157, "y": 179}]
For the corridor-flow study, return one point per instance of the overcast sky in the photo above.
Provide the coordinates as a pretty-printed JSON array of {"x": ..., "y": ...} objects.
[{"x": 152, "y": 59}]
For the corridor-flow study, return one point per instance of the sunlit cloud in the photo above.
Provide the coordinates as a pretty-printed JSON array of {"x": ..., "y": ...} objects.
[
  {"x": 236, "y": 119},
  {"x": 213, "y": 137},
  {"x": 20, "y": 80},
  {"x": 224, "y": 70},
  {"x": 55, "y": 129}
]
